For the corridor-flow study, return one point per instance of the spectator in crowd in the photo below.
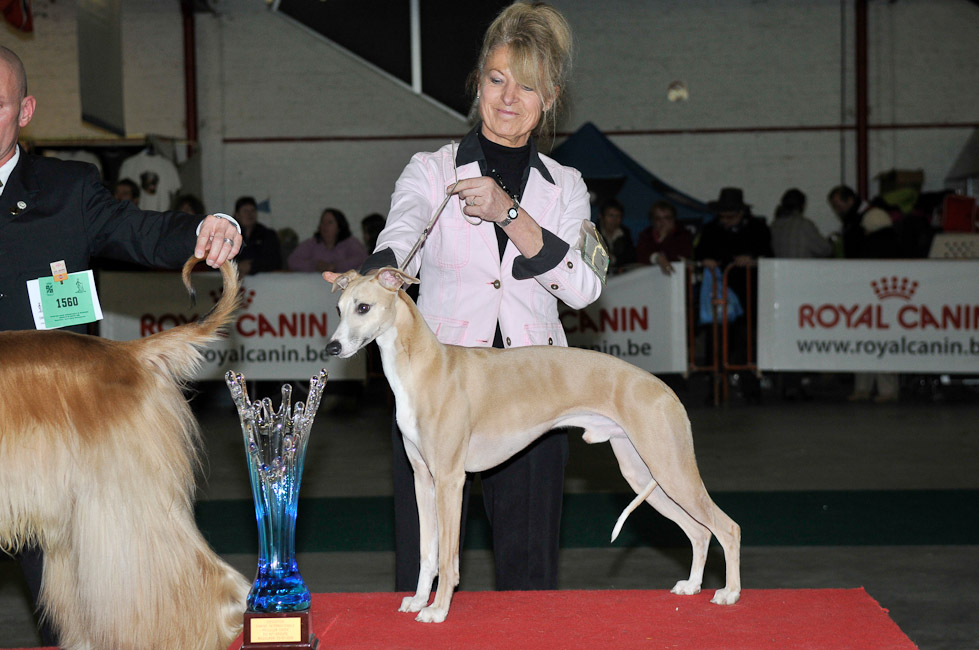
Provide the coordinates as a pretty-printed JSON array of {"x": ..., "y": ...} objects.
[
  {"x": 793, "y": 234},
  {"x": 371, "y": 226},
  {"x": 663, "y": 242},
  {"x": 867, "y": 232},
  {"x": 126, "y": 189},
  {"x": 331, "y": 248},
  {"x": 737, "y": 238},
  {"x": 260, "y": 252},
  {"x": 288, "y": 242},
  {"x": 621, "y": 252},
  {"x": 188, "y": 203}
]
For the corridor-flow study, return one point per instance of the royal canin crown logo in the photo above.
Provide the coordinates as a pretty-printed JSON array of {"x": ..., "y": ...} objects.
[{"x": 893, "y": 287}]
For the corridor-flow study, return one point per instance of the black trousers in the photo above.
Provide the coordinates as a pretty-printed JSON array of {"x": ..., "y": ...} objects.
[
  {"x": 522, "y": 498},
  {"x": 31, "y": 560}
]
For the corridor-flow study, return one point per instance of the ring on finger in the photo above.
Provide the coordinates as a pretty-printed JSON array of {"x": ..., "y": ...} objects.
[
  {"x": 229, "y": 242},
  {"x": 470, "y": 201}
]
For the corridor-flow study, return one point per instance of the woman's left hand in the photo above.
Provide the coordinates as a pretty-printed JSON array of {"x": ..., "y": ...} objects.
[{"x": 483, "y": 198}]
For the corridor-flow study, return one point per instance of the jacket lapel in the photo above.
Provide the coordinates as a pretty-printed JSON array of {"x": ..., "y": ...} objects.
[
  {"x": 483, "y": 230},
  {"x": 19, "y": 193}
]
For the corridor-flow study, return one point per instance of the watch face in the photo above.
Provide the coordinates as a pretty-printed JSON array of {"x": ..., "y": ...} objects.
[{"x": 512, "y": 213}]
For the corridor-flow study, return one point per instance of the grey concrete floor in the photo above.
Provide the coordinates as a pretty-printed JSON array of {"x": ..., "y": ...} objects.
[{"x": 921, "y": 443}]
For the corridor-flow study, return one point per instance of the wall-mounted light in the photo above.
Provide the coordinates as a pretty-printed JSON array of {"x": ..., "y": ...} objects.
[{"x": 677, "y": 92}]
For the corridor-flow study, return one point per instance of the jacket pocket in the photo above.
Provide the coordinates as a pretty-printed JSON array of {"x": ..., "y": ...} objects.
[
  {"x": 447, "y": 330},
  {"x": 545, "y": 334},
  {"x": 451, "y": 245}
]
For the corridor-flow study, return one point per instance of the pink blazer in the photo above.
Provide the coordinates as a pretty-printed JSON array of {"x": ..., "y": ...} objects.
[{"x": 465, "y": 287}]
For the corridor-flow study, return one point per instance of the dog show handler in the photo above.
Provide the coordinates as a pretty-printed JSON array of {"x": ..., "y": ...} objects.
[
  {"x": 59, "y": 211},
  {"x": 502, "y": 254}
]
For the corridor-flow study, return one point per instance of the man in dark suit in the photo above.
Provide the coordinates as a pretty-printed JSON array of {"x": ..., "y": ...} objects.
[{"x": 53, "y": 210}]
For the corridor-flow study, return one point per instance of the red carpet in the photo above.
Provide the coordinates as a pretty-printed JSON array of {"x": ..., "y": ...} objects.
[
  {"x": 819, "y": 619},
  {"x": 780, "y": 619}
]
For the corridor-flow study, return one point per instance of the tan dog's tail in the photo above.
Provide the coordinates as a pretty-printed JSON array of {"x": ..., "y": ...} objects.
[
  {"x": 642, "y": 496},
  {"x": 177, "y": 351}
]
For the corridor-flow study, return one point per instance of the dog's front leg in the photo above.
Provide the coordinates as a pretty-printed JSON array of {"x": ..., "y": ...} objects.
[
  {"x": 448, "y": 500},
  {"x": 427, "y": 531}
]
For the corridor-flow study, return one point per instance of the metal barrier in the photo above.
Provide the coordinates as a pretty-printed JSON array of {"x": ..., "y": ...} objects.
[{"x": 719, "y": 363}]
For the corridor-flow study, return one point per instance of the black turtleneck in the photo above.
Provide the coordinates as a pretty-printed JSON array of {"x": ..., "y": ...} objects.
[{"x": 508, "y": 167}]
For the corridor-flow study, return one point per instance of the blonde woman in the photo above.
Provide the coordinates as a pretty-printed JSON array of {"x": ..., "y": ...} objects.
[{"x": 492, "y": 271}]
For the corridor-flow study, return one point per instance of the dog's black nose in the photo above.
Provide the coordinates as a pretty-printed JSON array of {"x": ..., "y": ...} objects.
[{"x": 333, "y": 348}]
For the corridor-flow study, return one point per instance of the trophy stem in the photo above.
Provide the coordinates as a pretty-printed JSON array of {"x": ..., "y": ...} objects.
[{"x": 275, "y": 444}]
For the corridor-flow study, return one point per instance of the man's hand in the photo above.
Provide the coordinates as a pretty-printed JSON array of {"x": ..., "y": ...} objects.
[{"x": 218, "y": 241}]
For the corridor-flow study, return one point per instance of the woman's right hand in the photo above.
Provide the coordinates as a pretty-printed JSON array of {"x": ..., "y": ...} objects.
[{"x": 482, "y": 197}]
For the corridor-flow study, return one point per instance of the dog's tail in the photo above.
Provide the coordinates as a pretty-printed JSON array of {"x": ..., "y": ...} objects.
[
  {"x": 177, "y": 351},
  {"x": 642, "y": 496}
]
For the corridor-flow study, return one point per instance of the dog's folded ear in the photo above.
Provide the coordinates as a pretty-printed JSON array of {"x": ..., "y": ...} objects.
[
  {"x": 392, "y": 279},
  {"x": 340, "y": 280}
]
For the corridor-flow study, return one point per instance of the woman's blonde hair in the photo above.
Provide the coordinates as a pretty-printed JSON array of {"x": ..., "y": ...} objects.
[{"x": 539, "y": 42}]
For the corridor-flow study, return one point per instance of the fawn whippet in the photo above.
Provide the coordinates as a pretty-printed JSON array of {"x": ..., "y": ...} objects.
[{"x": 454, "y": 421}]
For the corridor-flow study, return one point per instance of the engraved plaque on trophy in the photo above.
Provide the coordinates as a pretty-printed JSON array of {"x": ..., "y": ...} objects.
[{"x": 278, "y": 614}]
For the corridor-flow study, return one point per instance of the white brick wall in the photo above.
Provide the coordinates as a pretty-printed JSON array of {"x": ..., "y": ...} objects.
[{"x": 749, "y": 64}]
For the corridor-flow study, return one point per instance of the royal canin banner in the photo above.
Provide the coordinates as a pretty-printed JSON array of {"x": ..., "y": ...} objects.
[
  {"x": 640, "y": 318},
  {"x": 868, "y": 315},
  {"x": 280, "y": 332}
]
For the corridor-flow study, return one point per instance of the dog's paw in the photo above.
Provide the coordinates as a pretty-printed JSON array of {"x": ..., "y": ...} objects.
[
  {"x": 412, "y": 604},
  {"x": 725, "y": 597},
  {"x": 432, "y": 615},
  {"x": 686, "y": 588}
]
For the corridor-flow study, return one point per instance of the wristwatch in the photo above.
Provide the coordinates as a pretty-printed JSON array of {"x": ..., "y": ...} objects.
[{"x": 511, "y": 215}]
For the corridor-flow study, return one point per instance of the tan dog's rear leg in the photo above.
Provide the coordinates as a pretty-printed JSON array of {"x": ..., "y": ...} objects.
[
  {"x": 696, "y": 532},
  {"x": 679, "y": 479},
  {"x": 675, "y": 469},
  {"x": 448, "y": 500},
  {"x": 637, "y": 474},
  {"x": 428, "y": 526},
  {"x": 695, "y": 501}
]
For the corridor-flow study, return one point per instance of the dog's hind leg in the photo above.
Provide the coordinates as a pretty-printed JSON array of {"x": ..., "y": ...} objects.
[
  {"x": 675, "y": 469},
  {"x": 638, "y": 476},
  {"x": 428, "y": 525},
  {"x": 700, "y": 506}
]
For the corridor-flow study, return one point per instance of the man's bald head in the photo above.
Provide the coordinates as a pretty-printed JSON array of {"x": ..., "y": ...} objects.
[{"x": 16, "y": 66}]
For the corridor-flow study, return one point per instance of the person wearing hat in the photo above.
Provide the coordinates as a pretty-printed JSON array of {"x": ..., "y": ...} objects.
[{"x": 736, "y": 237}]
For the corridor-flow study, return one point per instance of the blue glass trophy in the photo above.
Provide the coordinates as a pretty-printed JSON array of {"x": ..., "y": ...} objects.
[{"x": 278, "y": 606}]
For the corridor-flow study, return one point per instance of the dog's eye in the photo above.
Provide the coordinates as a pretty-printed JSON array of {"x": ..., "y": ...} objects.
[{"x": 363, "y": 308}]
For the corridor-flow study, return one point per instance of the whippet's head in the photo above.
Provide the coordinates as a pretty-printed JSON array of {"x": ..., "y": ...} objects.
[{"x": 367, "y": 307}]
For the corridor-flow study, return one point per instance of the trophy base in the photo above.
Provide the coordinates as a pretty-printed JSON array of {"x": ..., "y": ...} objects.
[{"x": 278, "y": 631}]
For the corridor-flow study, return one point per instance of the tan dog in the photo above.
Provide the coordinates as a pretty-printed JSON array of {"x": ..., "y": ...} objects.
[
  {"x": 98, "y": 450},
  {"x": 455, "y": 419}
]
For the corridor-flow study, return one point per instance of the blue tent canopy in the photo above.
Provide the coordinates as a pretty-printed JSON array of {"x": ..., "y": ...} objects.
[{"x": 610, "y": 172}]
